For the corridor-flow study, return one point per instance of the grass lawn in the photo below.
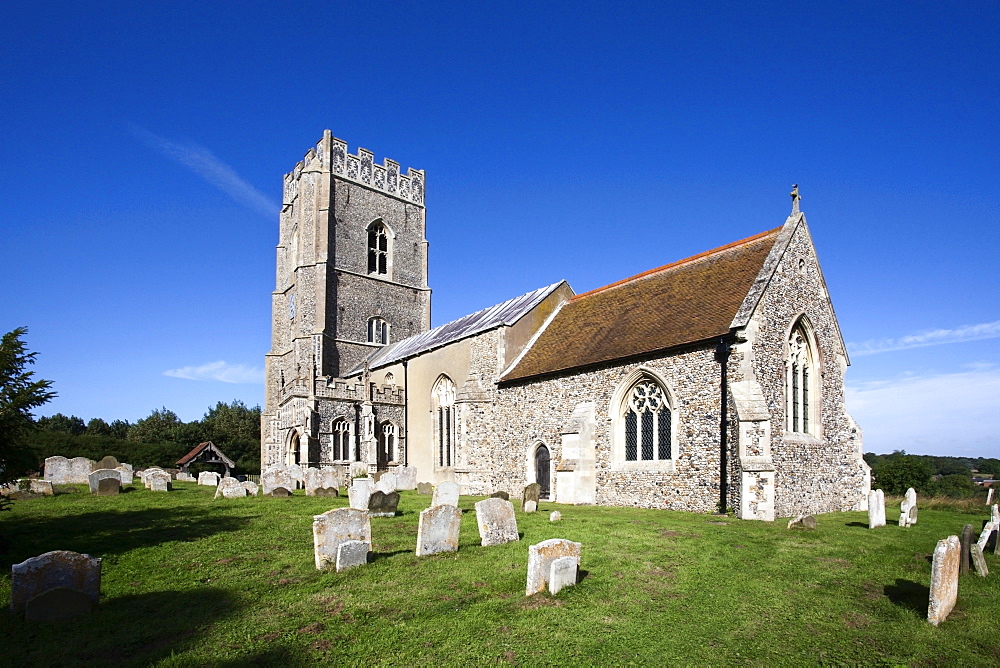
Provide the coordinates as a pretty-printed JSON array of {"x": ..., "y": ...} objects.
[{"x": 190, "y": 580}]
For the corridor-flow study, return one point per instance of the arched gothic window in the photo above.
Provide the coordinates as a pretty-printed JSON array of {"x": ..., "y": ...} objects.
[
  {"x": 387, "y": 441},
  {"x": 378, "y": 331},
  {"x": 647, "y": 416},
  {"x": 378, "y": 249},
  {"x": 800, "y": 382},
  {"x": 343, "y": 440},
  {"x": 443, "y": 406}
]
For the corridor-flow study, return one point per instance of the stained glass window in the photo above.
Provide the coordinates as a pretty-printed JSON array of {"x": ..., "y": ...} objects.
[{"x": 647, "y": 423}]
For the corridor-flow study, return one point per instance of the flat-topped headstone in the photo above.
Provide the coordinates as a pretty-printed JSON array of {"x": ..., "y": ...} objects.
[
  {"x": 109, "y": 486},
  {"x": 127, "y": 473},
  {"x": 497, "y": 524},
  {"x": 56, "y": 470},
  {"x": 101, "y": 474},
  {"x": 425, "y": 488},
  {"x": 944, "y": 579},
  {"x": 532, "y": 492},
  {"x": 327, "y": 491},
  {"x": 352, "y": 553},
  {"x": 876, "y": 509},
  {"x": 530, "y": 506},
  {"x": 978, "y": 560},
  {"x": 230, "y": 488},
  {"x": 107, "y": 462},
  {"x": 360, "y": 493},
  {"x": 208, "y": 478},
  {"x": 802, "y": 522},
  {"x": 280, "y": 492},
  {"x": 563, "y": 573},
  {"x": 501, "y": 495},
  {"x": 60, "y": 568},
  {"x": 58, "y": 603},
  {"x": 159, "y": 481},
  {"x": 965, "y": 542},
  {"x": 314, "y": 479},
  {"x": 406, "y": 478},
  {"x": 438, "y": 530},
  {"x": 381, "y": 504},
  {"x": 251, "y": 487},
  {"x": 540, "y": 558},
  {"x": 445, "y": 494},
  {"x": 275, "y": 477},
  {"x": 335, "y": 527},
  {"x": 386, "y": 483}
]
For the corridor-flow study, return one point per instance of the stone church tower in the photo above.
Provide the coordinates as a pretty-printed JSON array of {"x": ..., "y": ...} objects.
[{"x": 351, "y": 277}]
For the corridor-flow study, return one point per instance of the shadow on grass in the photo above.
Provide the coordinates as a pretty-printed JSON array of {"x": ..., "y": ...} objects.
[
  {"x": 863, "y": 525},
  {"x": 909, "y": 594},
  {"x": 110, "y": 532}
]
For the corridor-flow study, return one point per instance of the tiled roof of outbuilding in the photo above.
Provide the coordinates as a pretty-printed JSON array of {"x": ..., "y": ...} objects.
[{"x": 688, "y": 301}]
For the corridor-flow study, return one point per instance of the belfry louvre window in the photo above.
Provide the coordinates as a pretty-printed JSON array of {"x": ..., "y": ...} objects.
[
  {"x": 342, "y": 440},
  {"x": 800, "y": 371},
  {"x": 647, "y": 423},
  {"x": 443, "y": 401},
  {"x": 378, "y": 249}
]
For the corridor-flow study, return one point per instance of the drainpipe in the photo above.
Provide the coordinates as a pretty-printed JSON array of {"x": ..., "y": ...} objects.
[
  {"x": 722, "y": 353},
  {"x": 406, "y": 412}
]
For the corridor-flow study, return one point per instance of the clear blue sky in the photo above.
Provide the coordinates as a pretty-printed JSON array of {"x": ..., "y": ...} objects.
[{"x": 144, "y": 145}]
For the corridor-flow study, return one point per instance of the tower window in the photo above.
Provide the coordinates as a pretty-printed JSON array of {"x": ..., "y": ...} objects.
[
  {"x": 378, "y": 249},
  {"x": 378, "y": 331}
]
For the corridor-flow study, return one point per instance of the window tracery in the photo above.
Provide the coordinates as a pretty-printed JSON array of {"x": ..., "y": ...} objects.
[
  {"x": 647, "y": 417},
  {"x": 800, "y": 372},
  {"x": 443, "y": 402},
  {"x": 342, "y": 440},
  {"x": 378, "y": 249}
]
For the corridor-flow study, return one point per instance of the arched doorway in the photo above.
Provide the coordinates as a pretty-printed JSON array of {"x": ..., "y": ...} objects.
[
  {"x": 294, "y": 447},
  {"x": 542, "y": 470}
]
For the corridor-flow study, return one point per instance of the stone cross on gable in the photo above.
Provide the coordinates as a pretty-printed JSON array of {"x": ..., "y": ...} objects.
[{"x": 795, "y": 198}]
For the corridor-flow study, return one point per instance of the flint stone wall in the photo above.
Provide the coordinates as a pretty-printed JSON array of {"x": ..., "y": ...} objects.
[{"x": 60, "y": 568}]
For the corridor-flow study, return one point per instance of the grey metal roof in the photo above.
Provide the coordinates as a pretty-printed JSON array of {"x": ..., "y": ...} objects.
[{"x": 506, "y": 313}]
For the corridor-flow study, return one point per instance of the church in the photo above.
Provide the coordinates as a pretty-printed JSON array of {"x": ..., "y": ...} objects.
[{"x": 709, "y": 384}]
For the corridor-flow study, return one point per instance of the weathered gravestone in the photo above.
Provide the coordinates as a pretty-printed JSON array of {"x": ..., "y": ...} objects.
[
  {"x": 944, "y": 579},
  {"x": 328, "y": 491},
  {"x": 500, "y": 495},
  {"x": 62, "y": 471},
  {"x": 313, "y": 479},
  {"x": 531, "y": 493},
  {"x": 564, "y": 573},
  {"x": 425, "y": 488},
  {"x": 445, "y": 494},
  {"x": 876, "y": 509},
  {"x": 27, "y": 488},
  {"x": 144, "y": 476},
  {"x": 497, "y": 524},
  {"x": 57, "y": 470},
  {"x": 230, "y": 488},
  {"x": 251, "y": 487},
  {"x": 53, "y": 570},
  {"x": 530, "y": 506},
  {"x": 58, "y": 603},
  {"x": 989, "y": 496},
  {"x": 109, "y": 486},
  {"x": 352, "y": 553},
  {"x": 540, "y": 558},
  {"x": 988, "y": 529},
  {"x": 966, "y": 545},
  {"x": 335, "y": 527},
  {"x": 995, "y": 513},
  {"x": 107, "y": 462},
  {"x": 555, "y": 516},
  {"x": 208, "y": 478},
  {"x": 127, "y": 473},
  {"x": 438, "y": 530},
  {"x": 386, "y": 483},
  {"x": 280, "y": 492},
  {"x": 381, "y": 504},
  {"x": 406, "y": 478},
  {"x": 908, "y": 509},
  {"x": 802, "y": 522},
  {"x": 275, "y": 477},
  {"x": 159, "y": 481},
  {"x": 102, "y": 474},
  {"x": 377, "y": 475},
  {"x": 360, "y": 493},
  {"x": 978, "y": 560}
]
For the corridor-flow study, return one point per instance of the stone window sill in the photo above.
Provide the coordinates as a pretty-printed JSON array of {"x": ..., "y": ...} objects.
[{"x": 663, "y": 465}]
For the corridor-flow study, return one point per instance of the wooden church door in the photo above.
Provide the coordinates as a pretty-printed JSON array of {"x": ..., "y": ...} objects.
[{"x": 542, "y": 470}]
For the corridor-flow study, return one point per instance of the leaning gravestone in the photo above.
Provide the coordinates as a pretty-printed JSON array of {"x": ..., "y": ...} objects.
[
  {"x": 101, "y": 474},
  {"x": 908, "y": 509},
  {"x": 564, "y": 573},
  {"x": 531, "y": 493},
  {"x": 54, "y": 570},
  {"x": 802, "y": 522},
  {"x": 966, "y": 546},
  {"x": 335, "y": 527},
  {"x": 327, "y": 491},
  {"x": 984, "y": 537},
  {"x": 159, "y": 481},
  {"x": 497, "y": 524},
  {"x": 438, "y": 530},
  {"x": 386, "y": 483},
  {"x": 273, "y": 478},
  {"x": 406, "y": 478},
  {"x": 425, "y": 488},
  {"x": 944, "y": 579},
  {"x": 109, "y": 486},
  {"x": 107, "y": 462},
  {"x": 978, "y": 560},
  {"x": 876, "y": 509},
  {"x": 313, "y": 479},
  {"x": 208, "y": 478},
  {"x": 381, "y": 504},
  {"x": 540, "y": 558},
  {"x": 230, "y": 488},
  {"x": 445, "y": 494},
  {"x": 251, "y": 488},
  {"x": 360, "y": 493}
]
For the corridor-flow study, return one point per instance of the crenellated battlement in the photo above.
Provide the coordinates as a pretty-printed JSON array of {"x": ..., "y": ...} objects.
[
  {"x": 336, "y": 388},
  {"x": 330, "y": 155}
]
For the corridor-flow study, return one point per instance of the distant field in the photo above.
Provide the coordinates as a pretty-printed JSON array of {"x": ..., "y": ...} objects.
[{"x": 189, "y": 580}]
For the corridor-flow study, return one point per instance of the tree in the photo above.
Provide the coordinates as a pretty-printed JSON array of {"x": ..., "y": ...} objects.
[
  {"x": 235, "y": 428},
  {"x": 161, "y": 425},
  {"x": 956, "y": 486},
  {"x": 67, "y": 424},
  {"x": 19, "y": 394},
  {"x": 896, "y": 472}
]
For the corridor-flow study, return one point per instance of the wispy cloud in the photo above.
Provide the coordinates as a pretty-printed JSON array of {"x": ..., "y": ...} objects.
[
  {"x": 219, "y": 371},
  {"x": 204, "y": 163},
  {"x": 943, "y": 414},
  {"x": 934, "y": 337}
]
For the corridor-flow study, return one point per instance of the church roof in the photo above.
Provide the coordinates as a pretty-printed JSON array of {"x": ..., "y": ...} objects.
[
  {"x": 681, "y": 303},
  {"x": 505, "y": 313}
]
